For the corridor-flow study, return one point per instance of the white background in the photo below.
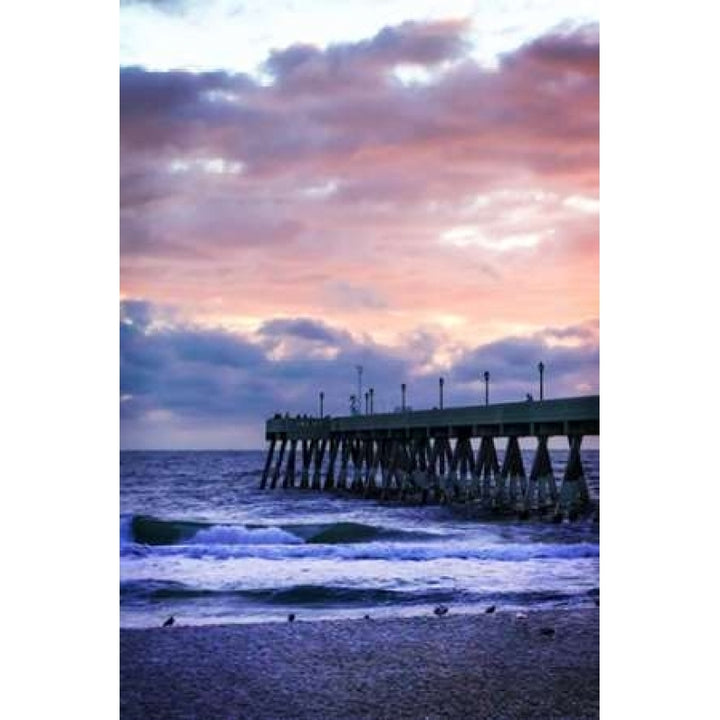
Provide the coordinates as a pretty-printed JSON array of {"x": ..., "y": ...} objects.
[{"x": 659, "y": 362}]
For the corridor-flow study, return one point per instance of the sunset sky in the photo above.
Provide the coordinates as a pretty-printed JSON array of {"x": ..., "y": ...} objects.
[{"x": 308, "y": 186}]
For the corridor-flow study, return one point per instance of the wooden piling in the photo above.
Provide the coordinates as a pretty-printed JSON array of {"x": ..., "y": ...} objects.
[
  {"x": 278, "y": 465},
  {"x": 268, "y": 462},
  {"x": 542, "y": 490},
  {"x": 574, "y": 495},
  {"x": 289, "y": 480},
  {"x": 330, "y": 477},
  {"x": 319, "y": 455},
  {"x": 308, "y": 451},
  {"x": 513, "y": 472}
]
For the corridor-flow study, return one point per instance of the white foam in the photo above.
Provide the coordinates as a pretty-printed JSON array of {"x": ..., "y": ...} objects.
[
  {"x": 238, "y": 535},
  {"x": 379, "y": 551}
]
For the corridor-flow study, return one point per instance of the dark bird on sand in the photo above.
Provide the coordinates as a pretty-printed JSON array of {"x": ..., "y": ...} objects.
[
  {"x": 440, "y": 610},
  {"x": 367, "y": 617},
  {"x": 490, "y": 610},
  {"x": 547, "y": 631},
  {"x": 291, "y": 617},
  {"x": 169, "y": 622}
]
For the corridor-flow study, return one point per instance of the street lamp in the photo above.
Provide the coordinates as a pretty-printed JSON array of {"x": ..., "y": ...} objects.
[
  {"x": 441, "y": 382},
  {"x": 486, "y": 376},
  {"x": 367, "y": 397},
  {"x": 322, "y": 398},
  {"x": 541, "y": 368},
  {"x": 372, "y": 392},
  {"x": 402, "y": 389},
  {"x": 359, "y": 369}
]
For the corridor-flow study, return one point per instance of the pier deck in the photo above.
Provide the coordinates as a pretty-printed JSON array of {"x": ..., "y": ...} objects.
[{"x": 567, "y": 416}]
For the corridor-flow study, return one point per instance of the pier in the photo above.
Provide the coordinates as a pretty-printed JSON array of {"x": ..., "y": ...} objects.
[{"x": 447, "y": 456}]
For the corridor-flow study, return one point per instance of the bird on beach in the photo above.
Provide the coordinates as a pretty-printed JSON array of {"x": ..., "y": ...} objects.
[
  {"x": 169, "y": 622},
  {"x": 291, "y": 617},
  {"x": 547, "y": 631},
  {"x": 440, "y": 610},
  {"x": 490, "y": 610},
  {"x": 367, "y": 617}
]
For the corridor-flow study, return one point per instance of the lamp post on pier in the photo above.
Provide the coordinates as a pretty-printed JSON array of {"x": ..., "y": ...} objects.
[
  {"x": 322, "y": 398},
  {"x": 441, "y": 383},
  {"x": 402, "y": 390},
  {"x": 367, "y": 398},
  {"x": 359, "y": 369},
  {"x": 541, "y": 369},
  {"x": 372, "y": 392},
  {"x": 486, "y": 377}
]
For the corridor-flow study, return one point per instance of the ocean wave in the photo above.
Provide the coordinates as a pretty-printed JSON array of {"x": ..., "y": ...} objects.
[
  {"x": 148, "y": 530},
  {"x": 150, "y": 590},
  {"x": 382, "y": 551}
]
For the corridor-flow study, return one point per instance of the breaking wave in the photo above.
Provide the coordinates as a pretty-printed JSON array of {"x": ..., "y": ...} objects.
[{"x": 148, "y": 530}]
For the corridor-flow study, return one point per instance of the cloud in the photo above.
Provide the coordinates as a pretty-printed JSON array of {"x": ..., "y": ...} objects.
[
  {"x": 177, "y": 375},
  {"x": 305, "y": 68},
  {"x": 349, "y": 179},
  {"x": 351, "y": 296},
  {"x": 172, "y": 7},
  {"x": 302, "y": 328},
  {"x": 547, "y": 88}
]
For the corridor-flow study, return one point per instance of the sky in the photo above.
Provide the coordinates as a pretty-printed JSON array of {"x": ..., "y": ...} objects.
[{"x": 310, "y": 186}]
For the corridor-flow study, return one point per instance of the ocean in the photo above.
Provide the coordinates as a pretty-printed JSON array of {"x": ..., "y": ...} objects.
[{"x": 200, "y": 541}]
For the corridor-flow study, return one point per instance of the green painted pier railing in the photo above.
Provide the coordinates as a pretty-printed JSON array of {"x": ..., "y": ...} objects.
[{"x": 444, "y": 455}]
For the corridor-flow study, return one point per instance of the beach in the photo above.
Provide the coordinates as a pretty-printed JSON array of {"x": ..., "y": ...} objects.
[{"x": 457, "y": 666}]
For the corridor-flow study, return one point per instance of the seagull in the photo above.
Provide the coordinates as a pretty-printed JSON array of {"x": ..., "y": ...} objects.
[
  {"x": 547, "y": 631},
  {"x": 440, "y": 610},
  {"x": 490, "y": 610},
  {"x": 169, "y": 622},
  {"x": 291, "y": 617},
  {"x": 367, "y": 617}
]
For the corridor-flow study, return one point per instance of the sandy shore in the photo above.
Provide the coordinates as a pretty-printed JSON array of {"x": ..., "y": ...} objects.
[{"x": 459, "y": 666}]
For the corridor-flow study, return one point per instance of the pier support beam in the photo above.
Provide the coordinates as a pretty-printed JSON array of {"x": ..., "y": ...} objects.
[
  {"x": 574, "y": 496},
  {"x": 388, "y": 467},
  {"x": 308, "y": 451},
  {"x": 319, "y": 455},
  {"x": 289, "y": 480},
  {"x": 357, "y": 455},
  {"x": 542, "y": 490},
  {"x": 278, "y": 465},
  {"x": 421, "y": 477},
  {"x": 344, "y": 457},
  {"x": 488, "y": 467},
  {"x": 373, "y": 463},
  {"x": 268, "y": 462},
  {"x": 513, "y": 472},
  {"x": 330, "y": 477}
]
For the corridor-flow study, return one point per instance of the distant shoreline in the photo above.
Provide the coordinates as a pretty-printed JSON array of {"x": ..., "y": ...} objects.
[{"x": 459, "y": 666}]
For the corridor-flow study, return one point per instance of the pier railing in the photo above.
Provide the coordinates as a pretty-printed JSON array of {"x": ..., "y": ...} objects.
[{"x": 550, "y": 417}]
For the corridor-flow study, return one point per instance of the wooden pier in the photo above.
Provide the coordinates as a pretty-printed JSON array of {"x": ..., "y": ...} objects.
[{"x": 429, "y": 455}]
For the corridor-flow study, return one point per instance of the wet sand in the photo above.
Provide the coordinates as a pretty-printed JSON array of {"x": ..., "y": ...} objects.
[{"x": 457, "y": 666}]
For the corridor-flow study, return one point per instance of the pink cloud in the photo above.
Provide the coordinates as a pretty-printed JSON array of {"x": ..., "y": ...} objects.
[{"x": 347, "y": 185}]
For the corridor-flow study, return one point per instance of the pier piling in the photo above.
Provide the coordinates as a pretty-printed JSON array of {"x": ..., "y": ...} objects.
[{"x": 428, "y": 455}]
